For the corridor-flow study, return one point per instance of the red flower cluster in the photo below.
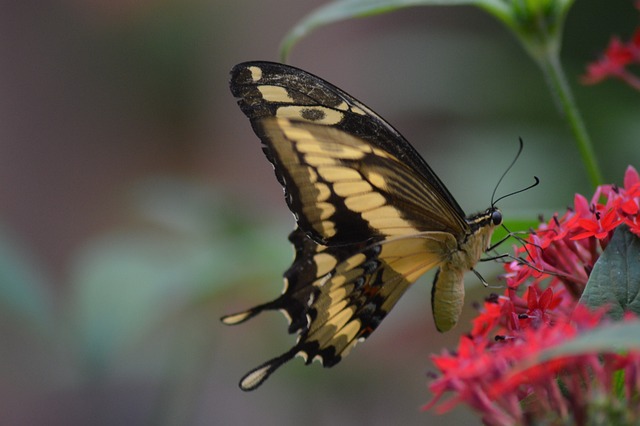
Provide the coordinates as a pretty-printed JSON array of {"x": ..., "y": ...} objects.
[
  {"x": 498, "y": 364},
  {"x": 568, "y": 247},
  {"x": 616, "y": 60}
]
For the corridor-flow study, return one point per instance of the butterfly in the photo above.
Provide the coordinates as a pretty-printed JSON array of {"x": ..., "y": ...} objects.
[{"x": 371, "y": 215}]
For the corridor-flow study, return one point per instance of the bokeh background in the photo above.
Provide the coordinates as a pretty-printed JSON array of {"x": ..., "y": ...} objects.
[{"x": 137, "y": 208}]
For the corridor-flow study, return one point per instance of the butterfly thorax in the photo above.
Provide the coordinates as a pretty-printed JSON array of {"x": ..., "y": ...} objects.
[{"x": 481, "y": 228}]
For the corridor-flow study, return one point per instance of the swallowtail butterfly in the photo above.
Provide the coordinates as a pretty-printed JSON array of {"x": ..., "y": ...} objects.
[{"x": 371, "y": 215}]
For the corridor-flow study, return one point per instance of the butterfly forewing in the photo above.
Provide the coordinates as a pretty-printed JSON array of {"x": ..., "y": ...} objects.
[{"x": 305, "y": 124}]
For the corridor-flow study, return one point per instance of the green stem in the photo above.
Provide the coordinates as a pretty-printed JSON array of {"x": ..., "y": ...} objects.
[{"x": 554, "y": 73}]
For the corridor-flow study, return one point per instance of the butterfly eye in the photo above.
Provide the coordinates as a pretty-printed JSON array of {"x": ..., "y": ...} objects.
[{"x": 496, "y": 217}]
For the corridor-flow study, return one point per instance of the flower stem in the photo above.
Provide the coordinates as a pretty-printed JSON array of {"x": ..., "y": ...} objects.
[{"x": 554, "y": 73}]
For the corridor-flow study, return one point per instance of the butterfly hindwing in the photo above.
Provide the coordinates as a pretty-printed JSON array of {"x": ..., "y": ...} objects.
[
  {"x": 348, "y": 302},
  {"x": 312, "y": 261}
]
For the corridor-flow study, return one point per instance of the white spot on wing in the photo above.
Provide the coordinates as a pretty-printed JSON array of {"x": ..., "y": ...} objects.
[
  {"x": 256, "y": 73},
  {"x": 275, "y": 94},
  {"x": 236, "y": 318},
  {"x": 253, "y": 379}
]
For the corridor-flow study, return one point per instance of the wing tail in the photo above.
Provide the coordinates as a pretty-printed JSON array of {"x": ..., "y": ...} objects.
[
  {"x": 240, "y": 317},
  {"x": 254, "y": 378}
]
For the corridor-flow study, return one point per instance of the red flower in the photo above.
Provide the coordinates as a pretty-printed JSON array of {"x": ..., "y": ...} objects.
[
  {"x": 614, "y": 62},
  {"x": 566, "y": 248},
  {"x": 495, "y": 377},
  {"x": 491, "y": 315},
  {"x": 499, "y": 363},
  {"x": 598, "y": 226},
  {"x": 540, "y": 306},
  {"x": 611, "y": 64},
  {"x": 629, "y": 206}
]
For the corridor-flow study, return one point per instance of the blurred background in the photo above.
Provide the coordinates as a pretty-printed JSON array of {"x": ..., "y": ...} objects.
[{"x": 137, "y": 207}]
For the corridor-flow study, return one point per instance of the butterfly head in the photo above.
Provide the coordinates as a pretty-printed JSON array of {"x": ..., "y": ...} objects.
[{"x": 490, "y": 218}]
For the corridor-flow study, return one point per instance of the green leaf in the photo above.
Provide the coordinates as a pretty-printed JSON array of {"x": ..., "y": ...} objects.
[
  {"x": 348, "y": 9},
  {"x": 618, "y": 337},
  {"x": 614, "y": 338},
  {"x": 615, "y": 279},
  {"x": 515, "y": 225}
]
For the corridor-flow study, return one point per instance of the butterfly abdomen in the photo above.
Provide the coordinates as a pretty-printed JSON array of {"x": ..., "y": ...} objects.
[{"x": 447, "y": 294}]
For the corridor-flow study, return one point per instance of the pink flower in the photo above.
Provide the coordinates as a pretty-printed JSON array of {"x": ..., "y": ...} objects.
[{"x": 615, "y": 62}]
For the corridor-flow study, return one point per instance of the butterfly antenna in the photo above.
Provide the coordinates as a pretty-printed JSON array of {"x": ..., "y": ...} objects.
[
  {"x": 506, "y": 171},
  {"x": 537, "y": 181},
  {"x": 533, "y": 185}
]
